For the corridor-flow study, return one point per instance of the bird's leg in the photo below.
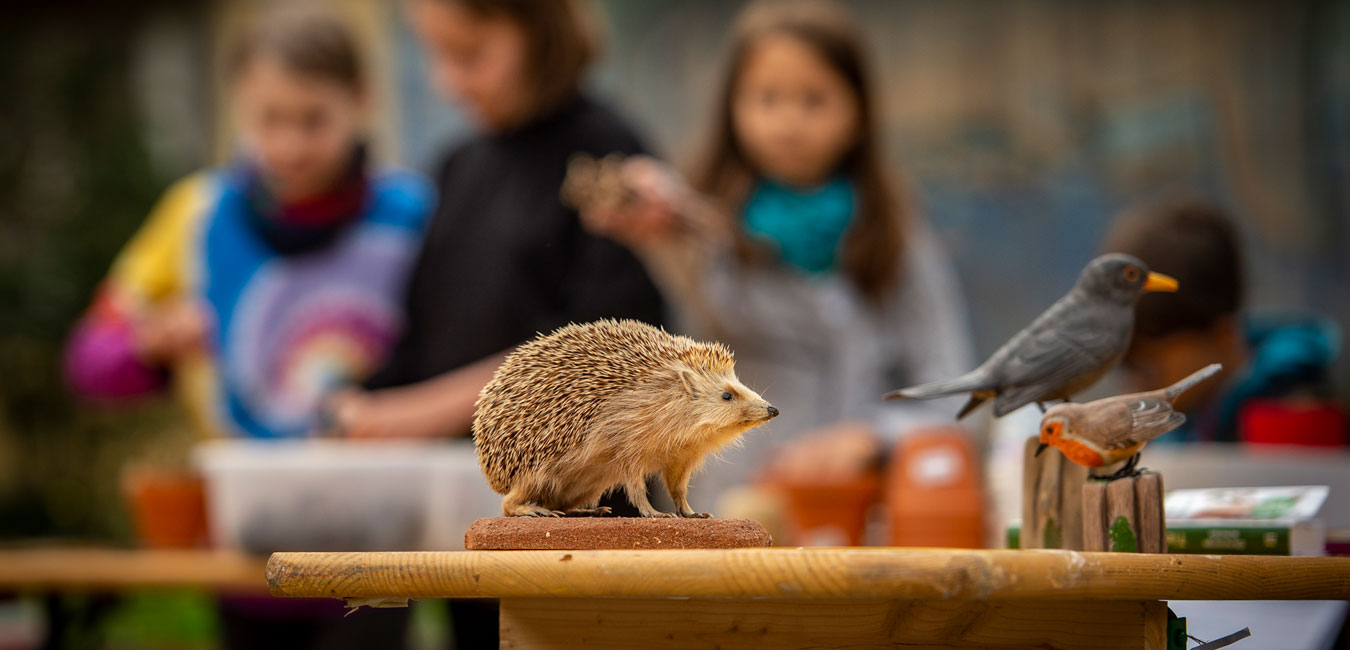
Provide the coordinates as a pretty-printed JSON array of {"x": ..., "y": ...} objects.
[
  {"x": 676, "y": 475},
  {"x": 1132, "y": 464},
  {"x": 637, "y": 495},
  {"x": 1126, "y": 470}
]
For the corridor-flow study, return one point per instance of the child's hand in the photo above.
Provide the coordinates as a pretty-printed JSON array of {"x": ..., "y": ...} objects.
[
  {"x": 359, "y": 414},
  {"x": 377, "y": 415},
  {"x": 836, "y": 454},
  {"x": 171, "y": 331},
  {"x": 632, "y": 201}
]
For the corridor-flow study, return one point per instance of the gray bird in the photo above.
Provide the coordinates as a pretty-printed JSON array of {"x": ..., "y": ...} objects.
[{"x": 1066, "y": 349}]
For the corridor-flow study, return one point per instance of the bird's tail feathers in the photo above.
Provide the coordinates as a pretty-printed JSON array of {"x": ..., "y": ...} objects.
[
  {"x": 971, "y": 381},
  {"x": 1192, "y": 379}
]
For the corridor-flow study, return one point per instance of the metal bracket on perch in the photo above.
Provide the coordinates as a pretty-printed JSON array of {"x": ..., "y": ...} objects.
[{"x": 1223, "y": 641}]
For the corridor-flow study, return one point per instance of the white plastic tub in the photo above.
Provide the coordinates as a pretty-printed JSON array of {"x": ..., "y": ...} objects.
[{"x": 327, "y": 495}]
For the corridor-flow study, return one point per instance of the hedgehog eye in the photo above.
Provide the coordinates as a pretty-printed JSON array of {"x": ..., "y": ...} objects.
[
  {"x": 726, "y": 396},
  {"x": 1132, "y": 273}
]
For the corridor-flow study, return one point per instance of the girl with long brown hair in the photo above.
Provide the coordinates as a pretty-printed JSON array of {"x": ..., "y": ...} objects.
[{"x": 792, "y": 243}]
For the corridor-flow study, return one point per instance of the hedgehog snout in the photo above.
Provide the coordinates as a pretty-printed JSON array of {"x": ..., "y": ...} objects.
[{"x": 762, "y": 412}]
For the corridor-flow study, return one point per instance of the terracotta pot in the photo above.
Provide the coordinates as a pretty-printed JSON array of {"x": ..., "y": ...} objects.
[
  {"x": 167, "y": 508},
  {"x": 828, "y": 513},
  {"x": 933, "y": 491}
]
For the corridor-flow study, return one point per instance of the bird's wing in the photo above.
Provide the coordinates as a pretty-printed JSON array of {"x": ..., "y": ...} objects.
[
  {"x": 1059, "y": 353},
  {"x": 1044, "y": 361},
  {"x": 1152, "y": 417},
  {"x": 1013, "y": 398}
]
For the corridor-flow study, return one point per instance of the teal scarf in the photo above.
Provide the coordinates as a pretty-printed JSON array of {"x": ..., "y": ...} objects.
[{"x": 805, "y": 226}]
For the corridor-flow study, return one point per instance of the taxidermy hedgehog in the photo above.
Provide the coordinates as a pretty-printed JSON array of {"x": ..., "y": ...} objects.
[{"x": 594, "y": 407}]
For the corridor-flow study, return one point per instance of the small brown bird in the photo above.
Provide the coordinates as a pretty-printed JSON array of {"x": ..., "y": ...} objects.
[
  {"x": 1113, "y": 429},
  {"x": 1066, "y": 349}
]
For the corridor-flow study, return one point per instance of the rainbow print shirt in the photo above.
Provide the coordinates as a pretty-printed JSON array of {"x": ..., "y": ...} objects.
[{"x": 285, "y": 330}]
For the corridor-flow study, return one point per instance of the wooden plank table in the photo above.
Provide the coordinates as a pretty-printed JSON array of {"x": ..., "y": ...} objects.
[
  {"x": 51, "y": 569},
  {"x": 817, "y": 597}
]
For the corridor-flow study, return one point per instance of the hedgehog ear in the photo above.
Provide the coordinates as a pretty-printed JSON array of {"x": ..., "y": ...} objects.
[{"x": 687, "y": 380}]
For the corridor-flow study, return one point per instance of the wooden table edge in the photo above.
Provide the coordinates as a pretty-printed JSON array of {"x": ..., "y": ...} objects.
[
  {"x": 809, "y": 573},
  {"x": 106, "y": 569}
]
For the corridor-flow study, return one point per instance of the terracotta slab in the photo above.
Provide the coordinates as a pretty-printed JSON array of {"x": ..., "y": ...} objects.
[{"x": 597, "y": 533}]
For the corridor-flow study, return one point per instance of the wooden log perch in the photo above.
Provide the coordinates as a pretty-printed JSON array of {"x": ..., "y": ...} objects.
[
  {"x": 1094, "y": 515},
  {"x": 1124, "y": 515},
  {"x": 1122, "y": 524},
  {"x": 1148, "y": 498},
  {"x": 810, "y": 573},
  {"x": 1052, "y": 507}
]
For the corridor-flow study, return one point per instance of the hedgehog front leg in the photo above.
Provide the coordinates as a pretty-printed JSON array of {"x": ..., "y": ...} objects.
[
  {"x": 517, "y": 504},
  {"x": 637, "y": 495},
  {"x": 676, "y": 475}
]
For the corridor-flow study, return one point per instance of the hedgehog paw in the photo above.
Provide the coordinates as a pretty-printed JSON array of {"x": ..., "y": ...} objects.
[
  {"x": 696, "y": 515},
  {"x": 536, "y": 511},
  {"x": 659, "y": 514},
  {"x": 601, "y": 511}
]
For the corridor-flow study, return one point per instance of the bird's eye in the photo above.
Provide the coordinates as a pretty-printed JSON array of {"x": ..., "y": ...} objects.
[
  {"x": 1049, "y": 430},
  {"x": 1132, "y": 273},
  {"x": 726, "y": 396}
]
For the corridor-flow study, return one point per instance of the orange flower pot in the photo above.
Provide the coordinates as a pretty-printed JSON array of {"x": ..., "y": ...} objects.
[
  {"x": 167, "y": 508},
  {"x": 933, "y": 491},
  {"x": 828, "y": 513}
]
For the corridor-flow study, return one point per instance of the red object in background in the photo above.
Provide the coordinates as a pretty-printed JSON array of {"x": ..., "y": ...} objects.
[
  {"x": 1338, "y": 542},
  {"x": 933, "y": 491},
  {"x": 828, "y": 514},
  {"x": 1292, "y": 422},
  {"x": 168, "y": 509}
]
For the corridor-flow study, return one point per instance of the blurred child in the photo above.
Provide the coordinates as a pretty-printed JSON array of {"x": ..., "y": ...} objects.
[
  {"x": 267, "y": 283},
  {"x": 1265, "y": 357},
  {"x": 793, "y": 244},
  {"x": 264, "y": 285},
  {"x": 504, "y": 259}
]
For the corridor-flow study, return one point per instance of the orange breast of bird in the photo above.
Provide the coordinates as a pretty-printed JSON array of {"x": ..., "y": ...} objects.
[
  {"x": 1079, "y": 452},
  {"x": 1117, "y": 455}
]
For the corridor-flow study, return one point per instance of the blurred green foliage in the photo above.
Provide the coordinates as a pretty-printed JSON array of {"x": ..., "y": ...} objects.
[
  {"x": 183, "y": 620},
  {"x": 75, "y": 181}
]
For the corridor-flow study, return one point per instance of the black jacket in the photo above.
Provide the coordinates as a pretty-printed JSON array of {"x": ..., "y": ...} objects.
[{"x": 503, "y": 259}]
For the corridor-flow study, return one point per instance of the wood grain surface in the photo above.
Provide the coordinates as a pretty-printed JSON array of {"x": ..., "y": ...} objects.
[
  {"x": 547, "y": 623},
  {"x": 812, "y": 573},
  {"x": 1148, "y": 502},
  {"x": 1094, "y": 517},
  {"x": 112, "y": 569}
]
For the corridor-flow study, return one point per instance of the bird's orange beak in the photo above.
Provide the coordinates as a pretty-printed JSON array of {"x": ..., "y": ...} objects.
[{"x": 1160, "y": 282}]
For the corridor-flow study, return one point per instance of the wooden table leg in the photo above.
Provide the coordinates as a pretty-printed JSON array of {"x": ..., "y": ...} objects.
[{"x": 536, "y": 623}]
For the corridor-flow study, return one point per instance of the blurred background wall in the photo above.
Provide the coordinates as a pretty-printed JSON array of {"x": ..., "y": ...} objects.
[
  {"x": 1022, "y": 126},
  {"x": 1025, "y": 126}
]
